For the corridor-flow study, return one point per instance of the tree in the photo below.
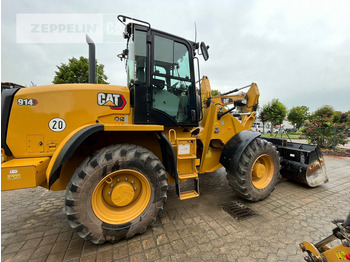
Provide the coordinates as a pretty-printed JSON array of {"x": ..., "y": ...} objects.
[
  {"x": 215, "y": 92},
  {"x": 327, "y": 128},
  {"x": 336, "y": 118},
  {"x": 321, "y": 130},
  {"x": 275, "y": 112},
  {"x": 77, "y": 71},
  {"x": 324, "y": 111},
  {"x": 297, "y": 115},
  {"x": 347, "y": 117},
  {"x": 263, "y": 119}
]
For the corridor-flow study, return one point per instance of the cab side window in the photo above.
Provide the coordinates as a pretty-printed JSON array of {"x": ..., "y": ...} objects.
[
  {"x": 171, "y": 79},
  {"x": 136, "y": 63}
]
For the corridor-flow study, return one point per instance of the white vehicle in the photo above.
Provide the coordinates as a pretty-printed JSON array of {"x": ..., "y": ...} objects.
[{"x": 258, "y": 127}]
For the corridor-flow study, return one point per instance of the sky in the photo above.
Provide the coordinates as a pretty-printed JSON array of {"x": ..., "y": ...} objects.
[{"x": 297, "y": 51}]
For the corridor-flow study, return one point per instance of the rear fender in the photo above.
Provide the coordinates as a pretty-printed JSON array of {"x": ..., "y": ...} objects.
[
  {"x": 234, "y": 148},
  {"x": 66, "y": 149}
]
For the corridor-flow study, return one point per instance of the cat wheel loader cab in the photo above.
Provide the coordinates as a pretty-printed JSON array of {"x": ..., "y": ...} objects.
[
  {"x": 161, "y": 77},
  {"x": 114, "y": 149}
]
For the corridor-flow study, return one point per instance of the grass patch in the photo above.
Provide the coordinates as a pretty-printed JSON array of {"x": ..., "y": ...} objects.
[{"x": 291, "y": 136}]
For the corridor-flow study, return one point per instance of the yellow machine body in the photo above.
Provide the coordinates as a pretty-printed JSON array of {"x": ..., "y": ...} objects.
[{"x": 77, "y": 105}]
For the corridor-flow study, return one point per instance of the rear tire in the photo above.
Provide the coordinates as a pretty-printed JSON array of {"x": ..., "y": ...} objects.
[
  {"x": 257, "y": 172},
  {"x": 116, "y": 193}
]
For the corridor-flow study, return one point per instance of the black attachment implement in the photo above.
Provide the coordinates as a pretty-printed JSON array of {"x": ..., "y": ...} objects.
[{"x": 302, "y": 163}]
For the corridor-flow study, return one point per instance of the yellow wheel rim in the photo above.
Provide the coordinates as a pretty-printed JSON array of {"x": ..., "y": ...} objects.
[
  {"x": 121, "y": 196},
  {"x": 262, "y": 171}
]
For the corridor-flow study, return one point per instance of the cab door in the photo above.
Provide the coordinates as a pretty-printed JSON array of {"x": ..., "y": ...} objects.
[
  {"x": 172, "y": 81},
  {"x": 168, "y": 96}
]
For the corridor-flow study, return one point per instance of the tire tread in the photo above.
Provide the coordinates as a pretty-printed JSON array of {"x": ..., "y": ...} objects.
[
  {"x": 239, "y": 178},
  {"x": 101, "y": 160}
]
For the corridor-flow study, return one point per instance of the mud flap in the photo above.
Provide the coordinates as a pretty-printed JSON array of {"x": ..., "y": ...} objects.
[{"x": 302, "y": 163}]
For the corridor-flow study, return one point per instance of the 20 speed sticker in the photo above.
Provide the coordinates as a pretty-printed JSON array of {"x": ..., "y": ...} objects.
[
  {"x": 57, "y": 124},
  {"x": 27, "y": 102}
]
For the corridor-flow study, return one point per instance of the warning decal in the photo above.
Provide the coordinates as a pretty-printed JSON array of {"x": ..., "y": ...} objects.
[{"x": 114, "y": 101}]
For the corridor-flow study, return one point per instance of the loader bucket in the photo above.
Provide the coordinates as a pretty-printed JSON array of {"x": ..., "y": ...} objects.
[{"x": 302, "y": 163}]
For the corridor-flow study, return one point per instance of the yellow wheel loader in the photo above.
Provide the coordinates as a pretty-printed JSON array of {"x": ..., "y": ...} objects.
[{"x": 115, "y": 149}]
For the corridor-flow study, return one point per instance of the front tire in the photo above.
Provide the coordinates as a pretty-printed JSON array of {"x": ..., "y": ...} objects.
[
  {"x": 257, "y": 172},
  {"x": 116, "y": 193}
]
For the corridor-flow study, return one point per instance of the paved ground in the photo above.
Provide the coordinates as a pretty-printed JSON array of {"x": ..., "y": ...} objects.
[{"x": 34, "y": 227}]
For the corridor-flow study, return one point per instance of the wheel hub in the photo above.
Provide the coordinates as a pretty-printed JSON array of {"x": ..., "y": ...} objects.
[
  {"x": 259, "y": 170},
  {"x": 122, "y": 194},
  {"x": 262, "y": 171}
]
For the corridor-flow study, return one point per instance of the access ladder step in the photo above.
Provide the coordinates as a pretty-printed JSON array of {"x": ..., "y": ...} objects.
[
  {"x": 188, "y": 194},
  {"x": 188, "y": 176}
]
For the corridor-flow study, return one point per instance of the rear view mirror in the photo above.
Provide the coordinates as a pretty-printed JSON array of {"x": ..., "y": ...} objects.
[{"x": 204, "y": 50}]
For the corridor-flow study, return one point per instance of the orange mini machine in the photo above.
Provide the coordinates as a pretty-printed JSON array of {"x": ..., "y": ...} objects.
[{"x": 323, "y": 252}]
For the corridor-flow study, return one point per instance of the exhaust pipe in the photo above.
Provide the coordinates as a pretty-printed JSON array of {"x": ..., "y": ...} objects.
[{"x": 92, "y": 63}]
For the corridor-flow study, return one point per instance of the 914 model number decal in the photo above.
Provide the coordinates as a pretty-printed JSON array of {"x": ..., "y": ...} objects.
[{"x": 27, "y": 102}]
